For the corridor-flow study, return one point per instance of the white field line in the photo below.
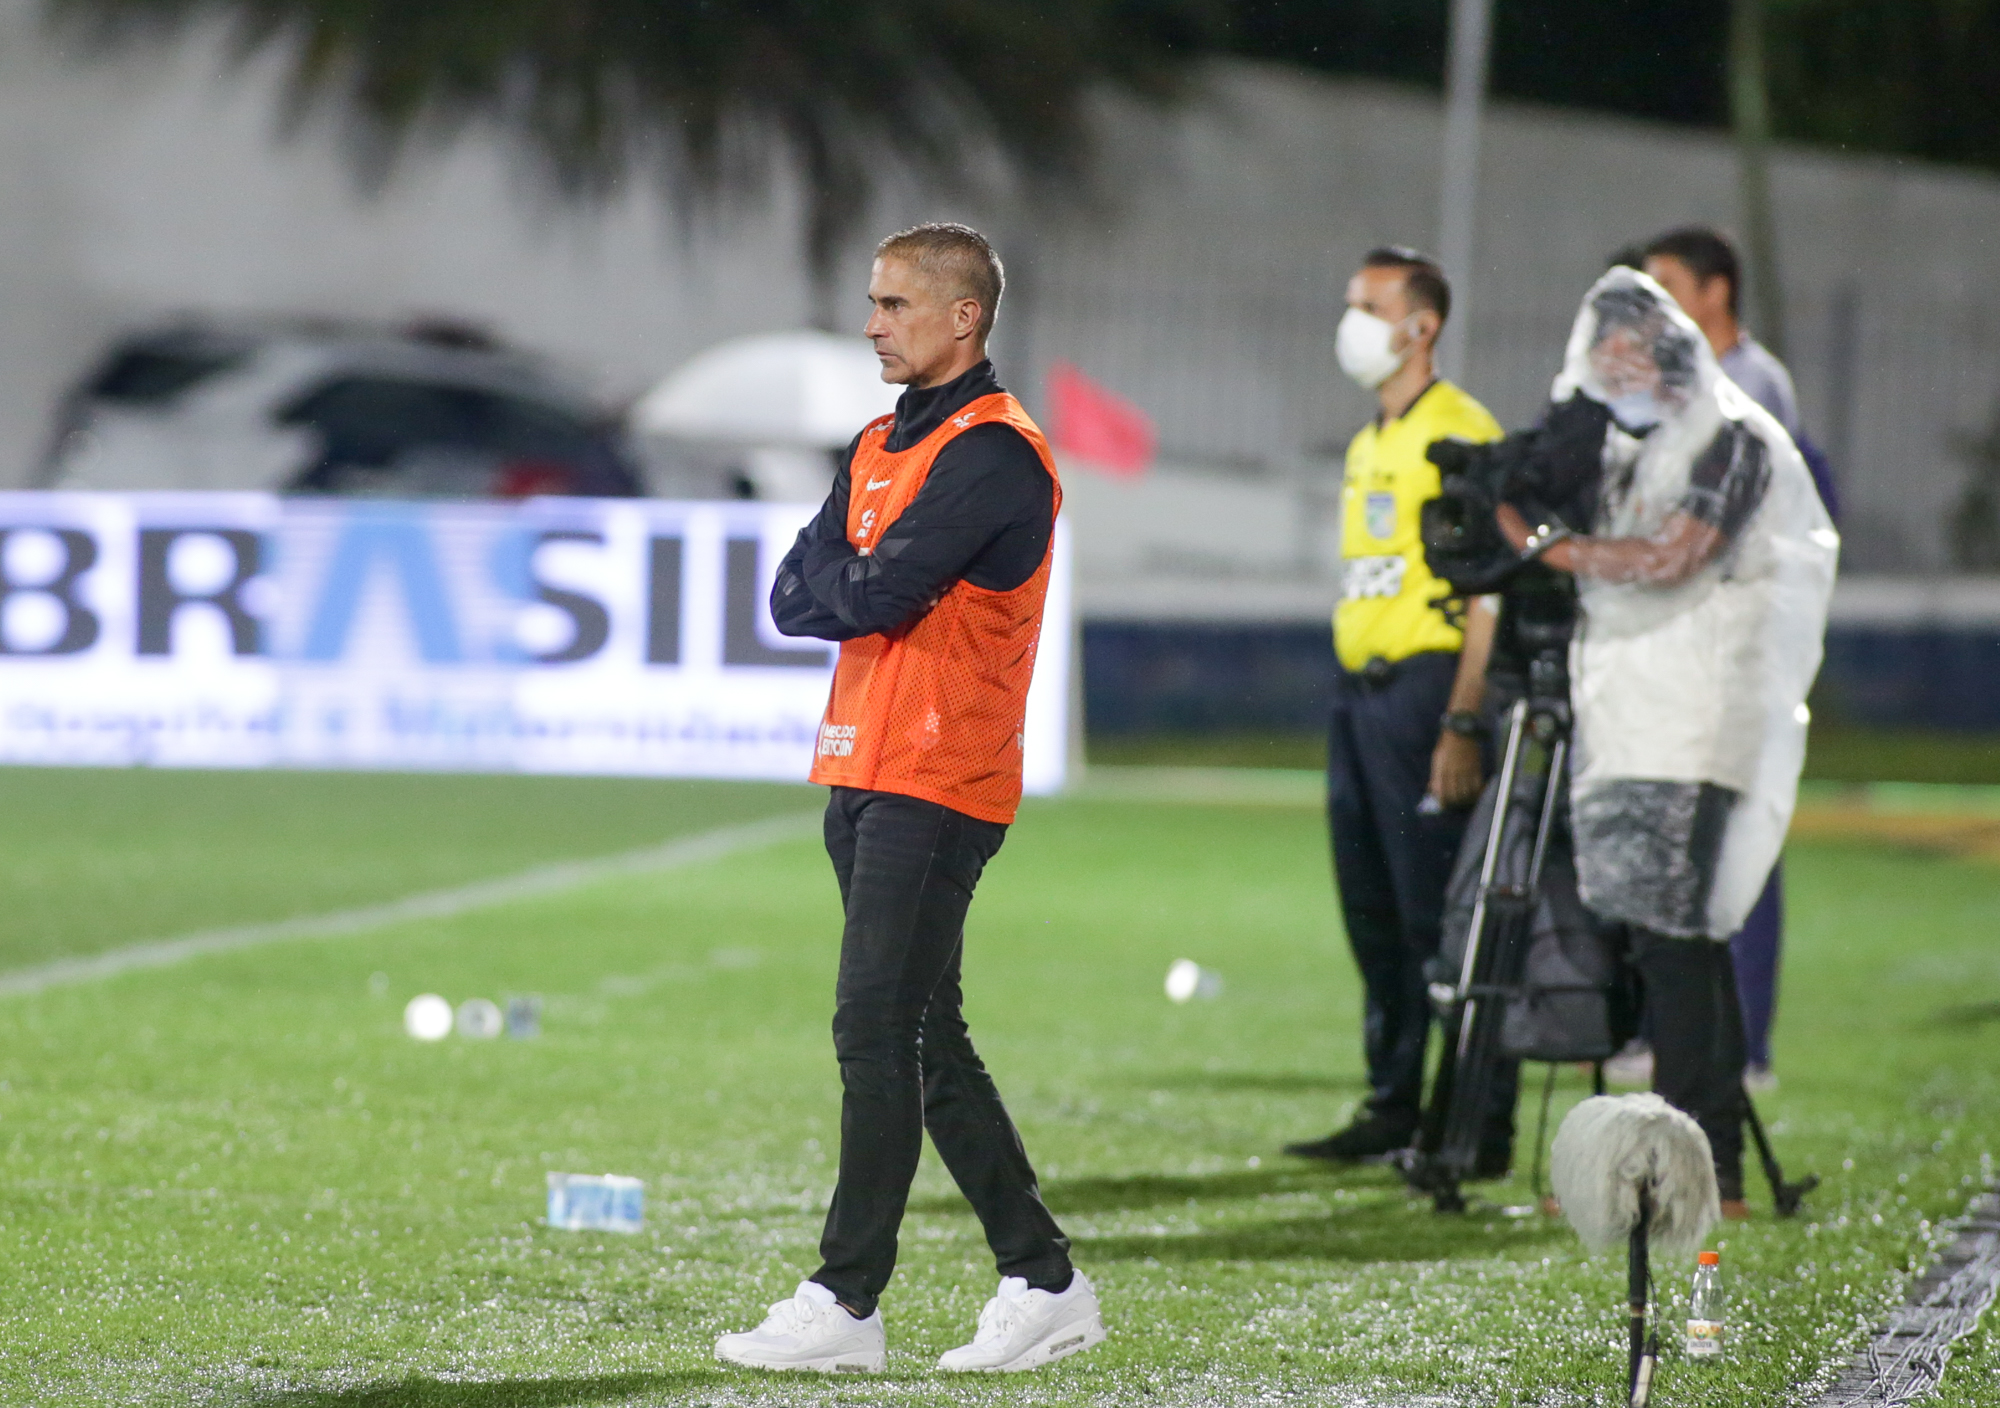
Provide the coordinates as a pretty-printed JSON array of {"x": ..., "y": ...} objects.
[{"x": 540, "y": 880}]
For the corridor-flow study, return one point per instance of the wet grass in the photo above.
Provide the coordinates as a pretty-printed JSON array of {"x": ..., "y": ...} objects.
[
  {"x": 93, "y": 858},
  {"x": 238, "y": 1182}
]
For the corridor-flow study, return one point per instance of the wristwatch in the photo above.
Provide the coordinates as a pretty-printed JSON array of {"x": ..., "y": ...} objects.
[
  {"x": 1542, "y": 539},
  {"x": 1465, "y": 723}
]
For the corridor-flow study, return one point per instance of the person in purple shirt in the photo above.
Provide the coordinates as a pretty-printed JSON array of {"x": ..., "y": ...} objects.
[{"x": 1700, "y": 268}]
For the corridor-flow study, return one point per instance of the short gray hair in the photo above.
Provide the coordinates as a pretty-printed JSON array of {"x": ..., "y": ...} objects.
[{"x": 956, "y": 259}]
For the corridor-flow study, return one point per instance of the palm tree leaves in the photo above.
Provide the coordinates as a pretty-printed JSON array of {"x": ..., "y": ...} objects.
[{"x": 708, "y": 96}]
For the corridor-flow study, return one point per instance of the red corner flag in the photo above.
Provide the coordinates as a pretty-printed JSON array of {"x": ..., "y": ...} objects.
[{"x": 1097, "y": 426}]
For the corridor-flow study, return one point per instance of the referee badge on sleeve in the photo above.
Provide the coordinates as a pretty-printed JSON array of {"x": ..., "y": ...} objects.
[{"x": 1381, "y": 515}]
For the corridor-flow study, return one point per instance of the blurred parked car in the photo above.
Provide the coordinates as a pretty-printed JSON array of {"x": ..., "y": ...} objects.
[
  {"x": 434, "y": 411},
  {"x": 765, "y": 416}
]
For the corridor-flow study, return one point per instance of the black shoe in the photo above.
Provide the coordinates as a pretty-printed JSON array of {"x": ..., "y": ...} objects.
[{"x": 1371, "y": 1137}]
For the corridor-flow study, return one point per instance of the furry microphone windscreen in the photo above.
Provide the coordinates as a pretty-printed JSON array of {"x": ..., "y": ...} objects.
[{"x": 1611, "y": 1146}]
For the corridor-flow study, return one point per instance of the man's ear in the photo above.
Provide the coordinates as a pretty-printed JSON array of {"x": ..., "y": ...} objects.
[
  {"x": 1427, "y": 325},
  {"x": 965, "y": 315}
]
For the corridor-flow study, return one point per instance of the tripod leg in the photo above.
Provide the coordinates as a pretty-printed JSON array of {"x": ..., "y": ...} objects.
[
  {"x": 1430, "y": 1134},
  {"x": 1506, "y": 911},
  {"x": 1786, "y": 1197},
  {"x": 1542, "y": 1133},
  {"x": 1426, "y": 1168}
]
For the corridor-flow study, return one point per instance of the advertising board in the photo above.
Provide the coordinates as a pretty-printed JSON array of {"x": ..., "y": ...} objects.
[{"x": 551, "y": 635}]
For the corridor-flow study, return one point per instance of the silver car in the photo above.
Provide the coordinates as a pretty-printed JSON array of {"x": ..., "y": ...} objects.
[{"x": 436, "y": 410}]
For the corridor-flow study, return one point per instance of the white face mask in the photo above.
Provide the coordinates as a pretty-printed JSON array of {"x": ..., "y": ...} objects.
[
  {"x": 1363, "y": 347},
  {"x": 1637, "y": 410}
]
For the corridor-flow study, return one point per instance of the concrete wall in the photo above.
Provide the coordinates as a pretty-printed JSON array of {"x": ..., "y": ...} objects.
[
  {"x": 1211, "y": 297},
  {"x": 1203, "y": 282},
  {"x": 158, "y": 183}
]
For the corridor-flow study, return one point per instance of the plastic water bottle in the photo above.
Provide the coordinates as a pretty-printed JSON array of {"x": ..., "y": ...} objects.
[
  {"x": 1707, "y": 1309},
  {"x": 596, "y": 1202}
]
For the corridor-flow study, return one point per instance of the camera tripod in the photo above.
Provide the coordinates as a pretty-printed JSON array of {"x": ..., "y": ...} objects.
[{"x": 1527, "y": 798}]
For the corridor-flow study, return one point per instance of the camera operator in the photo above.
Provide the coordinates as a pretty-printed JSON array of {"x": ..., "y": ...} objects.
[
  {"x": 1700, "y": 268},
  {"x": 1703, "y": 590},
  {"x": 1403, "y": 745}
]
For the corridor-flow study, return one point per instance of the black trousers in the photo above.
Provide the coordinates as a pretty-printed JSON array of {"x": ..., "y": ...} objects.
[
  {"x": 907, "y": 869},
  {"x": 1696, "y": 1027},
  {"x": 1392, "y": 863}
]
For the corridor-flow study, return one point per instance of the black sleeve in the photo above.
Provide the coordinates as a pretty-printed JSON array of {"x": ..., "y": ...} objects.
[
  {"x": 1728, "y": 481},
  {"x": 794, "y": 609},
  {"x": 985, "y": 514}
]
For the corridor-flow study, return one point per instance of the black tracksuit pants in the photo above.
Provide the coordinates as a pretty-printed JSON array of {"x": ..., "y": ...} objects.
[
  {"x": 1392, "y": 863},
  {"x": 907, "y": 869},
  {"x": 1695, "y": 1025}
]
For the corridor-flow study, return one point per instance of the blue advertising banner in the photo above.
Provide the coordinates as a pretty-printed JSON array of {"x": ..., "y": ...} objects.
[{"x": 550, "y": 635}]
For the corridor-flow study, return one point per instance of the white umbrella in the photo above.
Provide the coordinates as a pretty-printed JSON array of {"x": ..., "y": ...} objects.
[{"x": 806, "y": 390}]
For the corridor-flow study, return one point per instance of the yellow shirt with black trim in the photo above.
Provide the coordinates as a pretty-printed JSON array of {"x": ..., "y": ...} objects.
[{"x": 1390, "y": 604}]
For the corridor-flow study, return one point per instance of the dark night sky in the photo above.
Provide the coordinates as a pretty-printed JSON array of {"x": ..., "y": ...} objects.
[
  {"x": 1649, "y": 58},
  {"x": 1908, "y": 76}
]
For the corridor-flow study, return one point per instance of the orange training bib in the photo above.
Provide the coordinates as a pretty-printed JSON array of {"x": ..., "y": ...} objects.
[{"x": 935, "y": 712}]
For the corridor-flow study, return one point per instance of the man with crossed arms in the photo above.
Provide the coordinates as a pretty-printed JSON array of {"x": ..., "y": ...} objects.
[{"x": 929, "y": 563}]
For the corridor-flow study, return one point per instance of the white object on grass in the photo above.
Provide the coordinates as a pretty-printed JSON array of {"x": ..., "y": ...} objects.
[
  {"x": 1611, "y": 1146},
  {"x": 428, "y": 1017},
  {"x": 1188, "y": 979},
  {"x": 524, "y": 1017},
  {"x": 596, "y": 1202},
  {"x": 479, "y": 1019}
]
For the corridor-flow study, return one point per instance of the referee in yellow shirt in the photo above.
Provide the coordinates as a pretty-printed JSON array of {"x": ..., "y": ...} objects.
[{"x": 1403, "y": 749}]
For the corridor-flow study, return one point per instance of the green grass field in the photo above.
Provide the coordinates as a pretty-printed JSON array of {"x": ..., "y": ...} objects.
[
  {"x": 237, "y": 1182},
  {"x": 1839, "y": 753}
]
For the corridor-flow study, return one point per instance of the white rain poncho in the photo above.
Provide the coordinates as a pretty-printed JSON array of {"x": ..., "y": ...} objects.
[{"x": 1689, "y": 675}]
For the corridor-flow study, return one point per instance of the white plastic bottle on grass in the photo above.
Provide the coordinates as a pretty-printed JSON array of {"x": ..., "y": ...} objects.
[{"x": 1707, "y": 1309}]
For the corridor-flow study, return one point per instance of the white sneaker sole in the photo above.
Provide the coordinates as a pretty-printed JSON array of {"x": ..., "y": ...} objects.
[
  {"x": 1070, "y": 1339},
  {"x": 858, "y": 1361}
]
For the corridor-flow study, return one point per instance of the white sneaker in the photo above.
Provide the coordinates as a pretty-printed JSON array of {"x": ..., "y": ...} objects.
[
  {"x": 1632, "y": 1067},
  {"x": 809, "y": 1331},
  {"x": 1025, "y": 1329}
]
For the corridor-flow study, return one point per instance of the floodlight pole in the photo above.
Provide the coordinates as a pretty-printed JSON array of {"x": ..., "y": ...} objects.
[
  {"x": 1458, "y": 196},
  {"x": 1750, "y": 115}
]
